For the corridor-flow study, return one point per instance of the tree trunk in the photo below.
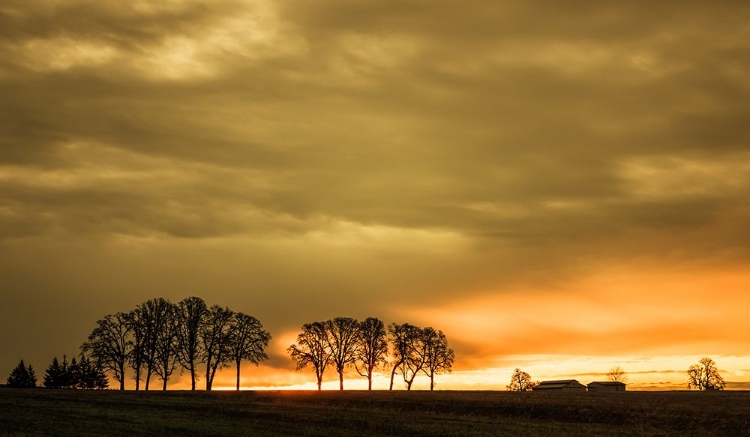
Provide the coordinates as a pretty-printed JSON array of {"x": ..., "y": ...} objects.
[
  {"x": 122, "y": 377},
  {"x": 164, "y": 387},
  {"x": 192, "y": 375},
  {"x": 393, "y": 374},
  {"x": 320, "y": 381},
  {"x": 432, "y": 381},
  {"x": 341, "y": 380},
  {"x": 369, "y": 380},
  {"x": 148, "y": 379},
  {"x": 238, "y": 375}
]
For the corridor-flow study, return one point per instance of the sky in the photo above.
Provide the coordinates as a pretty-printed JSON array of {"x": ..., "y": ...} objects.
[{"x": 562, "y": 188}]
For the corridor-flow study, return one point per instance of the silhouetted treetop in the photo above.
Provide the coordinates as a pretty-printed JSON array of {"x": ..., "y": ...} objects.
[
  {"x": 372, "y": 348},
  {"x": 109, "y": 345},
  {"x": 342, "y": 340},
  {"x": 311, "y": 349},
  {"x": 22, "y": 376},
  {"x": 521, "y": 381},
  {"x": 248, "y": 341},
  {"x": 705, "y": 376}
]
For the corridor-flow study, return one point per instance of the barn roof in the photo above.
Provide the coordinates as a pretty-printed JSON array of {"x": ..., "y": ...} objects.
[{"x": 558, "y": 384}]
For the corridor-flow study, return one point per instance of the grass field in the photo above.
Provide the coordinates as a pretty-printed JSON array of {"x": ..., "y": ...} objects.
[{"x": 39, "y": 412}]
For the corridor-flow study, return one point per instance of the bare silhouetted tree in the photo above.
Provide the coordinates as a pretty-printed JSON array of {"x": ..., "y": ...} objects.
[
  {"x": 166, "y": 344},
  {"x": 109, "y": 346},
  {"x": 705, "y": 376},
  {"x": 138, "y": 324},
  {"x": 343, "y": 334},
  {"x": 438, "y": 356},
  {"x": 408, "y": 352},
  {"x": 191, "y": 316},
  {"x": 372, "y": 348},
  {"x": 215, "y": 341},
  {"x": 248, "y": 341},
  {"x": 616, "y": 374},
  {"x": 312, "y": 348},
  {"x": 152, "y": 317},
  {"x": 521, "y": 381}
]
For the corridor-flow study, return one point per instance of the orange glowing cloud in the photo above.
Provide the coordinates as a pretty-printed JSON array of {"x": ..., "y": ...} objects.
[{"x": 621, "y": 314}]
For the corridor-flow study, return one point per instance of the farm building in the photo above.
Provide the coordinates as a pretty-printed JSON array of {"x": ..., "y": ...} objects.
[
  {"x": 606, "y": 386},
  {"x": 562, "y": 385}
]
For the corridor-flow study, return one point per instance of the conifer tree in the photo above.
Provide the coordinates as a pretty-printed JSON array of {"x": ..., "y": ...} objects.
[
  {"x": 22, "y": 376},
  {"x": 31, "y": 376},
  {"x": 73, "y": 376},
  {"x": 66, "y": 380},
  {"x": 81, "y": 373},
  {"x": 53, "y": 374},
  {"x": 90, "y": 374},
  {"x": 99, "y": 378}
]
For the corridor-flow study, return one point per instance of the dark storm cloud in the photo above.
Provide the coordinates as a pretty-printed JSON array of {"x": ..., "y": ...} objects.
[{"x": 441, "y": 116}]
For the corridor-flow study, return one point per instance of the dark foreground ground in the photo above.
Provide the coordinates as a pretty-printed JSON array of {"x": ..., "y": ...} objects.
[{"x": 39, "y": 412}]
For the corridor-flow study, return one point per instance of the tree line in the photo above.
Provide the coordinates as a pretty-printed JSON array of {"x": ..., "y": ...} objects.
[
  {"x": 346, "y": 342},
  {"x": 81, "y": 373},
  {"x": 157, "y": 337}
]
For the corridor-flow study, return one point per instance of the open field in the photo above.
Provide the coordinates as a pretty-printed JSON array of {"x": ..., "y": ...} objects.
[{"x": 37, "y": 412}]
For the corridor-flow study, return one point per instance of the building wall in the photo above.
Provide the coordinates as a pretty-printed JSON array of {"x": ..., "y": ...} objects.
[
  {"x": 599, "y": 387},
  {"x": 574, "y": 388}
]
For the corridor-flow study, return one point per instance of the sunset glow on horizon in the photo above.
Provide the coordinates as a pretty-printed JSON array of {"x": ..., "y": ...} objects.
[{"x": 558, "y": 188}]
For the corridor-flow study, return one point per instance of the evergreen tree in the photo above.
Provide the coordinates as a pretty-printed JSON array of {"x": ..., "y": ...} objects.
[
  {"x": 53, "y": 375},
  {"x": 73, "y": 376},
  {"x": 90, "y": 375},
  {"x": 100, "y": 380},
  {"x": 83, "y": 377},
  {"x": 22, "y": 376},
  {"x": 65, "y": 378},
  {"x": 31, "y": 376},
  {"x": 81, "y": 373}
]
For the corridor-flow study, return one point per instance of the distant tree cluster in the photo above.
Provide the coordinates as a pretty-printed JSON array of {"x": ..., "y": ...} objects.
[
  {"x": 521, "y": 381},
  {"x": 22, "y": 376},
  {"x": 158, "y": 337},
  {"x": 80, "y": 374},
  {"x": 617, "y": 374},
  {"x": 705, "y": 376},
  {"x": 345, "y": 342}
]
